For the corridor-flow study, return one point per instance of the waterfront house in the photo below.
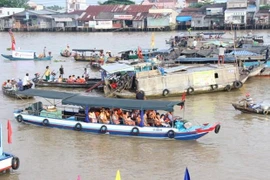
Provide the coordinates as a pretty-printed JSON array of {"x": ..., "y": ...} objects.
[
  {"x": 30, "y": 20},
  {"x": 63, "y": 22},
  {"x": 262, "y": 18},
  {"x": 236, "y": 13},
  {"x": 5, "y": 14},
  {"x": 190, "y": 17},
  {"x": 214, "y": 15},
  {"x": 252, "y": 9},
  {"x": 116, "y": 16},
  {"x": 75, "y": 5},
  {"x": 162, "y": 18},
  {"x": 162, "y": 4}
]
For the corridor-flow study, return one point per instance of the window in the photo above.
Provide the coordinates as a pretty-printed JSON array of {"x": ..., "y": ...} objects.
[
  {"x": 8, "y": 13},
  {"x": 199, "y": 21},
  {"x": 1, "y": 11},
  {"x": 216, "y": 75}
]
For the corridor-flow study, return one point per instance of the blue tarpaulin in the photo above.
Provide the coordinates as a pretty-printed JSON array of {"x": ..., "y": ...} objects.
[{"x": 183, "y": 18}]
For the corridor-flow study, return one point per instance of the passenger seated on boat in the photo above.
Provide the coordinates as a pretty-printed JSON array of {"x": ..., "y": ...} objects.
[
  {"x": 115, "y": 117},
  {"x": 60, "y": 79},
  {"x": 8, "y": 84},
  {"x": 163, "y": 122},
  {"x": 20, "y": 85},
  {"x": 82, "y": 79},
  {"x": 127, "y": 119},
  {"x": 151, "y": 115},
  {"x": 248, "y": 101},
  {"x": 70, "y": 79},
  {"x": 73, "y": 78},
  {"x": 145, "y": 122},
  {"x": 92, "y": 116},
  {"x": 103, "y": 117}
]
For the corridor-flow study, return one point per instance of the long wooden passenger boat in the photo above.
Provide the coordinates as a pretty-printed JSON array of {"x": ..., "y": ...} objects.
[
  {"x": 14, "y": 94},
  {"x": 91, "y": 55},
  {"x": 79, "y": 119},
  {"x": 89, "y": 83}
]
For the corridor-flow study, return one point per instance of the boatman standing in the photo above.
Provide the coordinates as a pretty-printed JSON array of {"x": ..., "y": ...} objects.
[
  {"x": 221, "y": 53},
  {"x": 61, "y": 71}
]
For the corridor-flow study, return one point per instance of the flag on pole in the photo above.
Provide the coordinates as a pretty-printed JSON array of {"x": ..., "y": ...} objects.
[
  {"x": 153, "y": 40},
  {"x": 187, "y": 177},
  {"x": 118, "y": 177},
  {"x": 13, "y": 43},
  {"x": 9, "y": 132},
  {"x": 183, "y": 99}
]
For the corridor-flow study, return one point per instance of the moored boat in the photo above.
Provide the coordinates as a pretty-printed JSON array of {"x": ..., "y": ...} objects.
[
  {"x": 92, "y": 55},
  {"x": 7, "y": 160},
  {"x": 79, "y": 119},
  {"x": 174, "y": 81}
]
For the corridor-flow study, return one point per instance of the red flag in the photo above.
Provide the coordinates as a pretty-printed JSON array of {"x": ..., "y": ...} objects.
[
  {"x": 183, "y": 99},
  {"x": 9, "y": 132},
  {"x": 13, "y": 43}
]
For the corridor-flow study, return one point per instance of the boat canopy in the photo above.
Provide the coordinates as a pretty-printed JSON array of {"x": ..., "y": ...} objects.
[
  {"x": 117, "y": 67},
  {"x": 130, "y": 104},
  {"x": 46, "y": 93},
  {"x": 89, "y": 50}
]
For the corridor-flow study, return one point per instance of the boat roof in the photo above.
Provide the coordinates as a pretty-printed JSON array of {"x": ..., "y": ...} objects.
[
  {"x": 82, "y": 100},
  {"x": 130, "y": 104},
  {"x": 46, "y": 93},
  {"x": 84, "y": 50},
  {"x": 117, "y": 67},
  {"x": 143, "y": 50}
]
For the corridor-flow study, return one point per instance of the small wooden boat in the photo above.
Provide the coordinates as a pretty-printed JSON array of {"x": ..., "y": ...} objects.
[
  {"x": 75, "y": 116},
  {"x": 7, "y": 160},
  {"x": 89, "y": 83},
  {"x": 65, "y": 54},
  {"x": 261, "y": 108},
  {"x": 12, "y": 93},
  {"x": 91, "y": 55}
]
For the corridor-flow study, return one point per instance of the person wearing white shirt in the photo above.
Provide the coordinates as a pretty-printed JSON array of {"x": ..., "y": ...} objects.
[
  {"x": 26, "y": 82},
  {"x": 221, "y": 55}
]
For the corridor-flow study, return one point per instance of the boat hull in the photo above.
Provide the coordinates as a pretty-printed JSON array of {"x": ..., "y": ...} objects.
[
  {"x": 94, "y": 59},
  {"x": 118, "y": 130},
  {"x": 48, "y": 58},
  {"x": 13, "y": 94},
  {"x": 88, "y": 84},
  {"x": 243, "y": 109},
  {"x": 5, "y": 162},
  {"x": 65, "y": 55}
]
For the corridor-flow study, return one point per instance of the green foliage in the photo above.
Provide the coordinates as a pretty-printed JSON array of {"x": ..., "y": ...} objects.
[
  {"x": 14, "y": 3},
  {"x": 202, "y": 3},
  {"x": 55, "y": 7},
  {"x": 115, "y": 2},
  {"x": 265, "y": 6}
]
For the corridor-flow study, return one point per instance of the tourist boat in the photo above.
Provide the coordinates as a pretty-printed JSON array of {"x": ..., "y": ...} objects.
[
  {"x": 173, "y": 81},
  {"x": 65, "y": 54},
  {"x": 89, "y": 83},
  {"x": 7, "y": 160},
  {"x": 66, "y": 117},
  {"x": 260, "y": 108},
  {"x": 132, "y": 54},
  {"x": 91, "y": 55},
  {"x": 26, "y": 55},
  {"x": 13, "y": 93}
]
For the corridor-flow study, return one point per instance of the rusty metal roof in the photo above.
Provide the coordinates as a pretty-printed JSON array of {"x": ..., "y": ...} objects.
[{"x": 93, "y": 11}]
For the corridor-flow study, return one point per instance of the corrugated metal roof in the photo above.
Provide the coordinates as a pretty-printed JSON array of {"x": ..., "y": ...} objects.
[{"x": 93, "y": 11}]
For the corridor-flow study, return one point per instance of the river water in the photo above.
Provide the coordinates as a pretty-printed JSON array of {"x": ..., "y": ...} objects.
[{"x": 238, "y": 152}]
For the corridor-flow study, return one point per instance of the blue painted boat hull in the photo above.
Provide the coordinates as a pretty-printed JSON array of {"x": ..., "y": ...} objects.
[
  {"x": 203, "y": 60},
  {"x": 119, "y": 130},
  {"x": 9, "y": 57}
]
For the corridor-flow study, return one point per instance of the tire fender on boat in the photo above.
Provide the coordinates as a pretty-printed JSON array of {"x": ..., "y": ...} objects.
[
  {"x": 217, "y": 128},
  {"x": 171, "y": 134},
  {"x": 165, "y": 92},
  {"x": 263, "y": 69},
  {"x": 45, "y": 122},
  {"x": 237, "y": 84},
  {"x": 265, "y": 112},
  {"x": 214, "y": 86},
  {"x": 190, "y": 90},
  {"x": 78, "y": 127},
  {"x": 15, "y": 163},
  {"x": 19, "y": 118},
  {"x": 135, "y": 131},
  {"x": 103, "y": 129},
  {"x": 228, "y": 88}
]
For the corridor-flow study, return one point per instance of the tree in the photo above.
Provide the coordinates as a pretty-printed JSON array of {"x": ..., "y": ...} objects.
[
  {"x": 14, "y": 3},
  {"x": 114, "y": 2},
  {"x": 202, "y": 3},
  {"x": 55, "y": 7},
  {"x": 265, "y": 6}
]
